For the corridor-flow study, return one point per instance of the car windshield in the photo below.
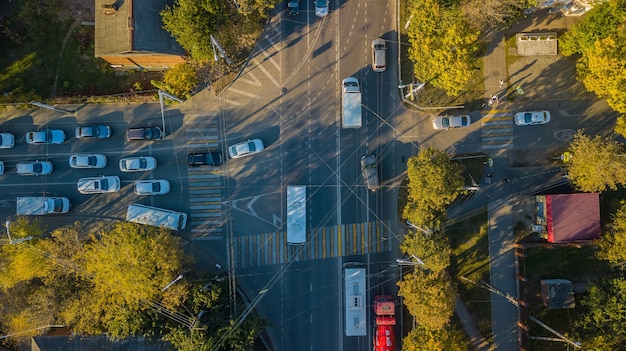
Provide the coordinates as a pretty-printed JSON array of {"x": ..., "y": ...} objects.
[
  {"x": 320, "y": 3},
  {"x": 36, "y": 167},
  {"x": 142, "y": 163},
  {"x": 445, "y": 122},
  {"x": 156, "y": 187},
  {"x": 528, "y": 117},
  {"x": 104, "y": 184},
  {"x": 91, "y": 160},
  {"x": 251, "y": 147}
]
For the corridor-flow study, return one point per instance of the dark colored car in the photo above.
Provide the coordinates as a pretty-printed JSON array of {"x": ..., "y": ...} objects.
[
  {"x": 98, "y": 132},
  {"x": 144, "y": 133},
  {"x": 212, "y": 158},
  {"x": 294, "y": 7}
]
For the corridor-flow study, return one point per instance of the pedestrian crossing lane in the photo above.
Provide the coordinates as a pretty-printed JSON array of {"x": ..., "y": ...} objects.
[
  {"x": 204, "y": 183},
  {"x": 497, "y": 129}
]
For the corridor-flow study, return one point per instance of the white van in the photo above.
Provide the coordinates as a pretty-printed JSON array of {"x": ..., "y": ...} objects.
[{"x": 158, "y": 217}]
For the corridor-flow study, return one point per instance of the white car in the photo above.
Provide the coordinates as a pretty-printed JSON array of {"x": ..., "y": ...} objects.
[
  {"x": 245, "y": 148},
  {"x": 88, "y": 161},
  {"x": 529, "y": 118},
  {"x": 34, "y": 168},
  {"x": 99, "y": 185},
  {"x": 447, "y": 122},
  {"x": 321, "y": 8},
  {"x": 7, "y": 140},
  {"x": 138, "y": 164},
  {"x": 54, "y": 136},
  {"x": 379, "y": 61},
  {"x": 152, "y": 187}
]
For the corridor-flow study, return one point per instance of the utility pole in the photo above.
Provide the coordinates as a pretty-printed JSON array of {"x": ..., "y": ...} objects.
[{"x": 161, "y": 95}]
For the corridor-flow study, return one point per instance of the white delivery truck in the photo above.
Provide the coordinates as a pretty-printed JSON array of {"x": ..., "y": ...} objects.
[
  {"x": 42, "y": 205},
  {"x": 158, "y": 217},
  {"x": 351, "y": 103},
  {"x": 296, "y": 215}
]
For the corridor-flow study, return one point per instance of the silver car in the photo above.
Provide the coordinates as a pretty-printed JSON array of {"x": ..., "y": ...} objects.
[
  {"x": 53, "y": 136},
  {"x": 447, "y": 122},
  {"x": 88, "y": 161},
  {"x": 379, "y": 50},
  {"x": 530, "y": 118},
  {"x": 152, "y": 187},
  {"x": 321, "y": 8},
  {"x": 7, "y": 140},
  {"x": 138, "y": 164},
  {"x": 99, "y": 185},
  {"x": 245, "y": 148},
  {"x": 34, "y": 168}
]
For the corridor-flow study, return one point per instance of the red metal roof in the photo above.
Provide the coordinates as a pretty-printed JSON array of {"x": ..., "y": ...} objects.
[{"x": 573, "y": 217}]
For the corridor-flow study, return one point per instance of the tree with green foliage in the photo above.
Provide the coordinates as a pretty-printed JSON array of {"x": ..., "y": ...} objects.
[
  {"x": 604, "y": 323},
  {"x": 126, "y": 268},
  {"x": 105, "y": 285},
  {"x": 601, "y": 42},
  {"x": 258, "y": 8},
  {"x": 613, "y": 242},
  {"x": 429, "y": 297},
  {"x": 434, "y": 250},
  {"x": 211, "y": 329},
  {"x": 597, "y": 163},
  {"x": 193, "y": 22},
  {"x": 434, "y": 183},
  {"x": 443, "y": 46},
  {"x": 180, "y": 81},
  {"x": 17, "y": 261},
  {"x": 429, "y": 339}
]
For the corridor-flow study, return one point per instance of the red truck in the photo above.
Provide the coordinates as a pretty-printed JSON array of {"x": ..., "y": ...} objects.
[{"x": 384, "y": 335}]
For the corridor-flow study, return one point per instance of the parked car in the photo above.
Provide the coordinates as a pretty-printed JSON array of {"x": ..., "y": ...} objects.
[
  {"x": 529, "y": 118},
  {"x": 370, "y": 172},
  {"x": 51, "y": 136},
  {"x": 7, "y": 140},
  {"x": 99, "y": 185},
  {"x": 138, "y": 164},
  {"x": 447, "y": 122},
  {"x": 34, "y": 168},
  {"x": 293, "y": 7},
  {"x": 144, "y": 133},
  {"x": 379, "y": 52},
  {"x": 211, "y": 158},
  {"x": 321, "y": 8},
  {"x": 245, "y": 148},
  {"x": 1, "y": 167},
  {"x": 152, "y": 187},
  {"x": 88, "y": 161},
  {"x": 97, "y": 132}
]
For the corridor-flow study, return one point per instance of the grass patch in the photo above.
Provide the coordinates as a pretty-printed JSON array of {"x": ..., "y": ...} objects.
[
  {"x": 575, "y": 264},
  {"x": 470, "y": 259},
  {"x": 473, "y": 167}
]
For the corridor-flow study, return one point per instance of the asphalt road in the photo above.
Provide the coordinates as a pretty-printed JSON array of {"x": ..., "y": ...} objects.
[{"x": 62, "y": 181}]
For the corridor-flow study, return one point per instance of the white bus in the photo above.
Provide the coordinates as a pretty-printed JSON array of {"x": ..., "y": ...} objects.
[
  {"x": 158, "y": 217},
  {"x": 296, "y": 215},
  {"x": 356, "y": 298}
]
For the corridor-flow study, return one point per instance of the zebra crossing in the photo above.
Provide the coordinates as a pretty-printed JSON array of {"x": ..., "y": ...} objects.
[
  {"x": 204, "y": 183},
  {"x": 325, "y": 242},
  {"x": 497, "y": 129}
]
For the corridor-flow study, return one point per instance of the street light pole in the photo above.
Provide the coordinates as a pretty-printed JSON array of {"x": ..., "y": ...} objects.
[
  {"x": 11, "y": 241},
  {"x": 180, "y": 276}
]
